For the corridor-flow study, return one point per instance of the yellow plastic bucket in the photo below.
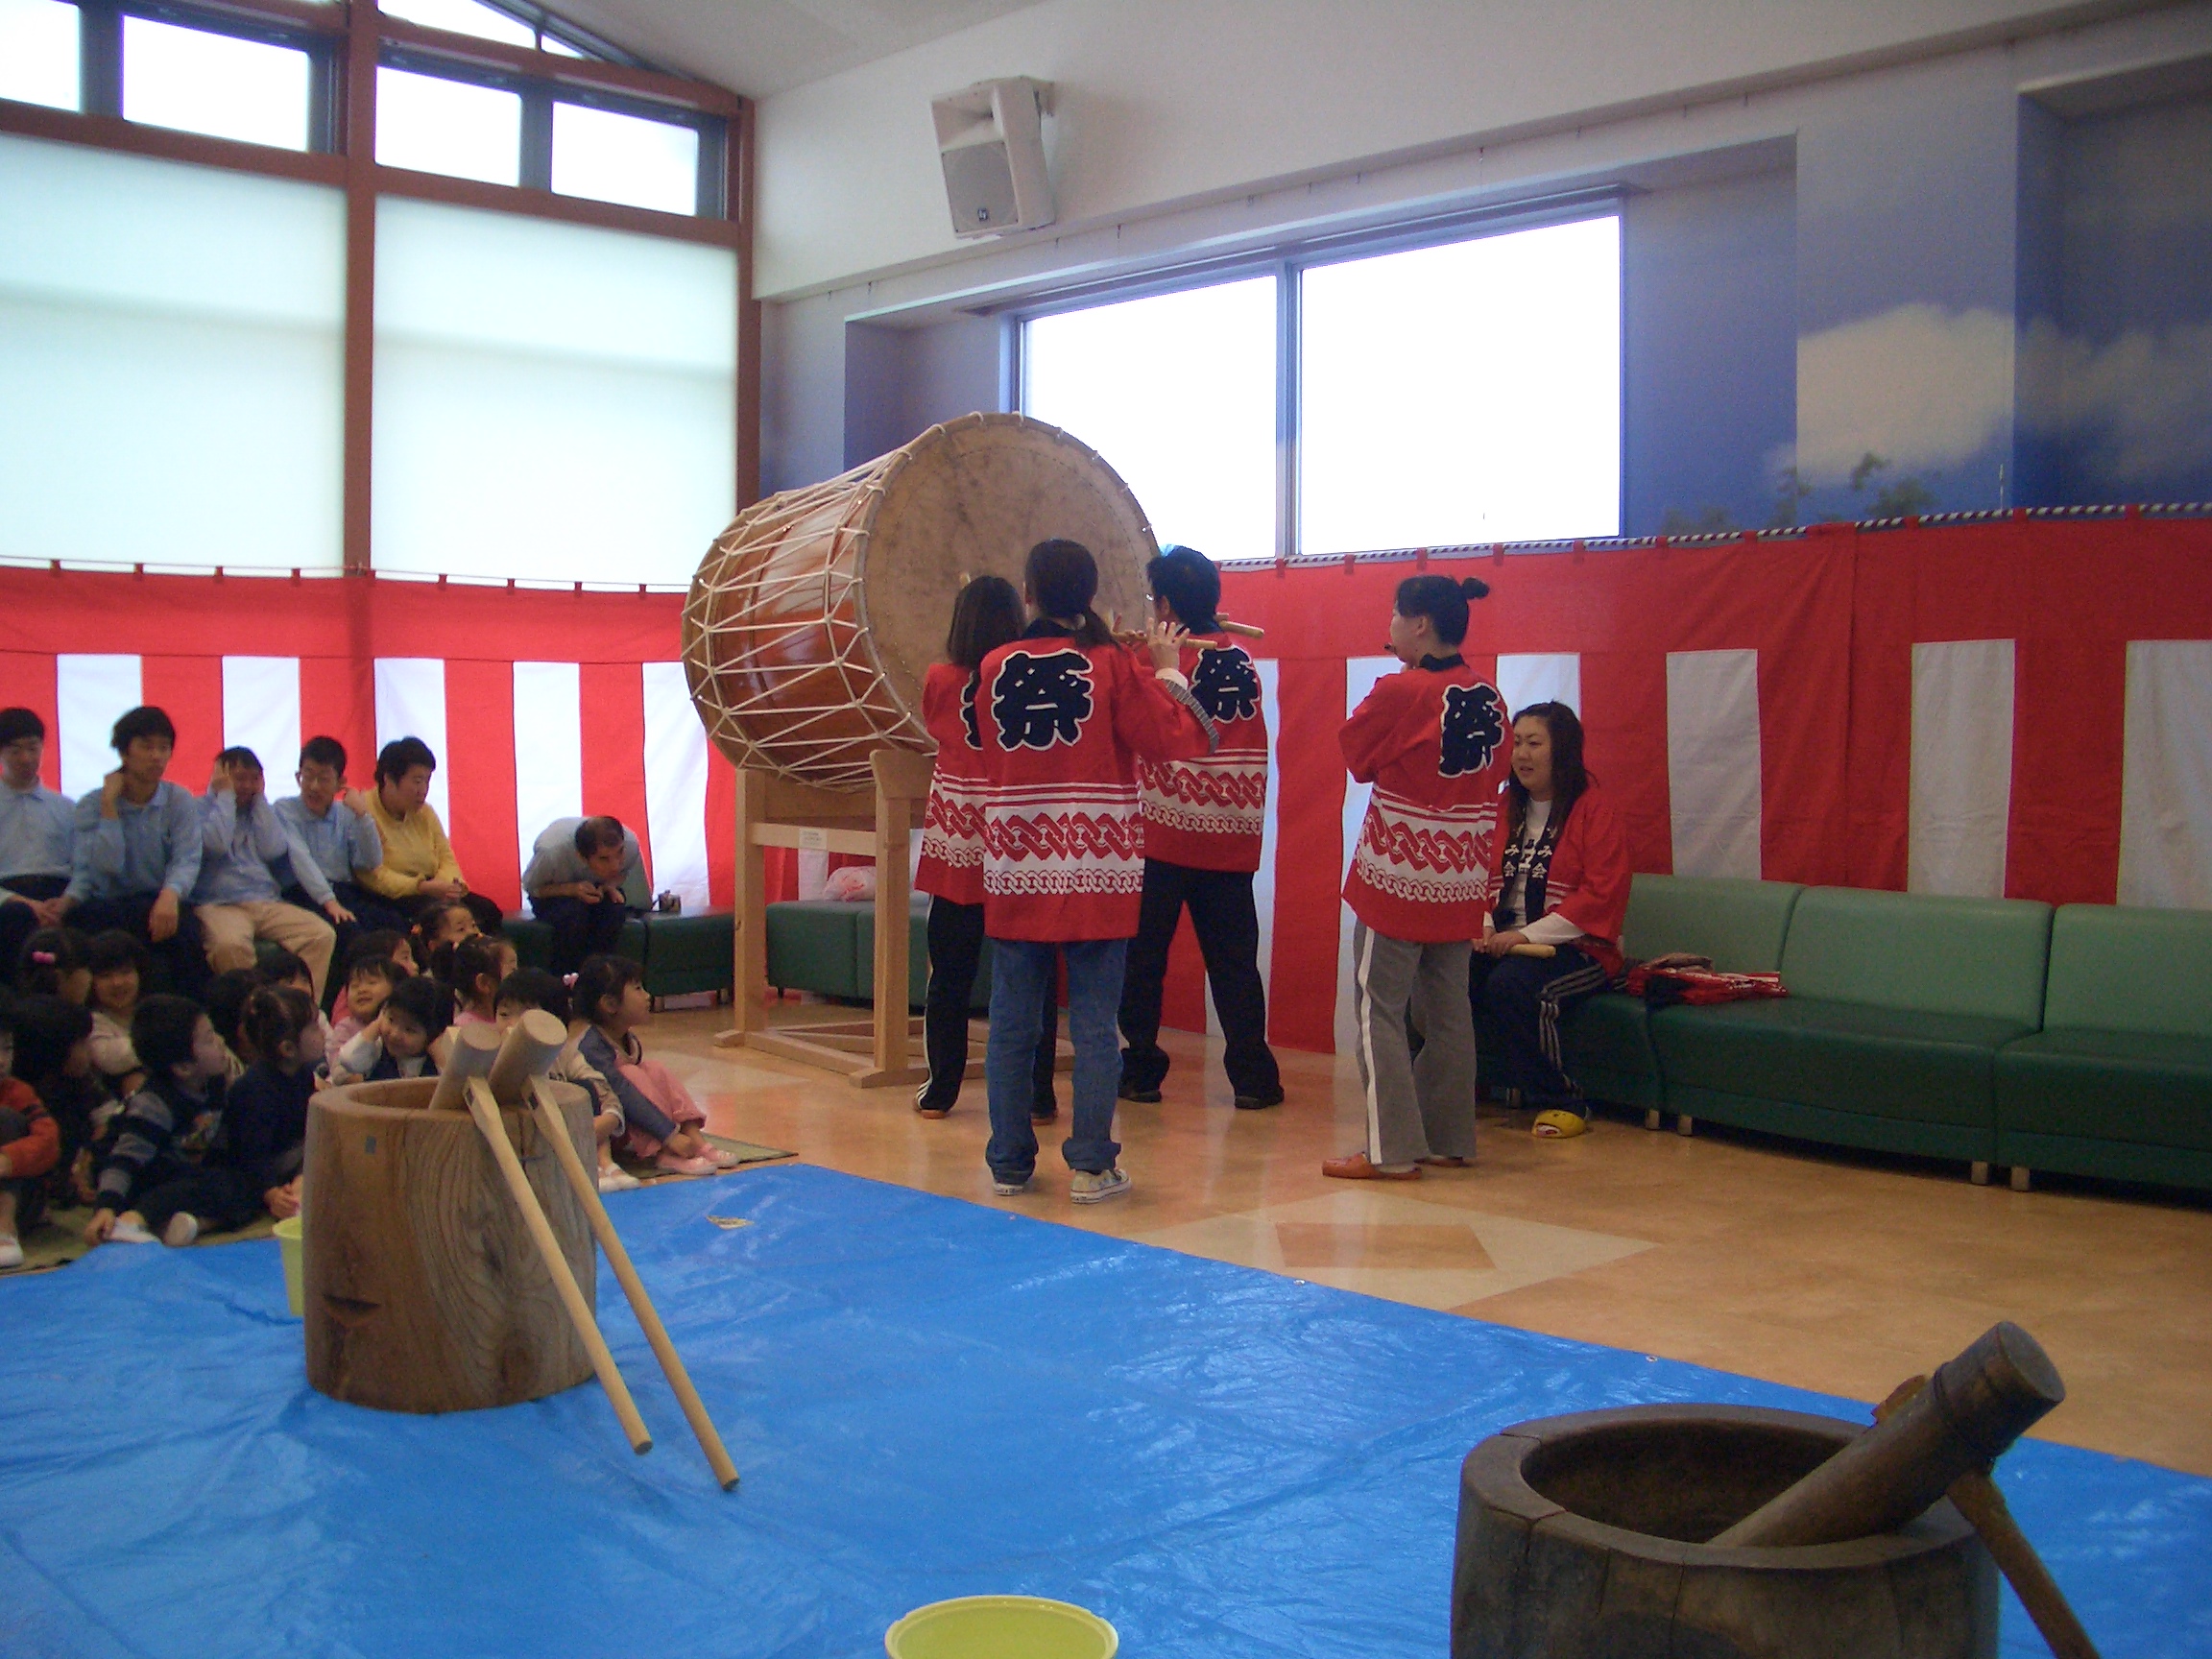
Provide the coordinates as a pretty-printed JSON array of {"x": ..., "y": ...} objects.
[
  {"x": 1002, "y": 1627},
  {"x": 295, "y": 1279}
]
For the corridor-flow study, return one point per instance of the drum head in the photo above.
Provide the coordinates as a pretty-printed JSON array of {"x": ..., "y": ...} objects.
[{"x": 971, "y": 499}]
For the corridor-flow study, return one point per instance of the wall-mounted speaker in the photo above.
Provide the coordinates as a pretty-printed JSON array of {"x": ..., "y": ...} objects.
[{"x": 991, "y": 139}]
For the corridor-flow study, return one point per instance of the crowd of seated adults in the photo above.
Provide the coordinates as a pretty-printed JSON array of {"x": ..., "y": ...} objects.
[{"x": 180, "y": 973}]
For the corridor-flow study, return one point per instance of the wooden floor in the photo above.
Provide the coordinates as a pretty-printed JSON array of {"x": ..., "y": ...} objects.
[{"x": 1827, "y": 1271}]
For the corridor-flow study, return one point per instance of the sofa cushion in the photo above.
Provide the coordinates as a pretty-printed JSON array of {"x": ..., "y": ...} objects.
[
  {"x": 2122, "y": 969},
  {"x": 1739, "y": 924},
  {"x": 1607, "y": 1049},
  {"x": 688, "y": 952},
  {"x": 2109, "y": 1085},
  {"x": 1981, "y": 958},
  {"x": 1841, "y": 1056}
]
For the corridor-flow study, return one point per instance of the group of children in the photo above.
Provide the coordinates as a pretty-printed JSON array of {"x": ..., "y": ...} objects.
[
  {"x": 169, "y": 1115},
  {"x": 1089, "y": 789}
]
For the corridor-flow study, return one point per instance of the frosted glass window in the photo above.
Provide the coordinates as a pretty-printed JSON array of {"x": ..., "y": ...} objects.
[
  {"x": 625, "y": 158},
  {"x": 558, "y": 47},
  {"x": 38, "y": 53},
  {"x": 1177, "y": 392},
  {"x": 463, "y": 17},
  {"x": 214, "y": 83},
  {"x": 171, "y": 361},
  {"x": 1467, "y": 393},
  {"x": 553, "y": 401},
  {"x": 438, "y": 125}
]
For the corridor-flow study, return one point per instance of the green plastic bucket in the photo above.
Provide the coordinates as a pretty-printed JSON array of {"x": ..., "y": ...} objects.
[
  {"x": 1002, "y": 1627},
  {"x": 294, "y": 1280}
]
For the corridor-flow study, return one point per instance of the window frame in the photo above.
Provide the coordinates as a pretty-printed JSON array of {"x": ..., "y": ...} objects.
[
  {"x": 345, "y": 46},
  {"x": 1289, "y": 261}
]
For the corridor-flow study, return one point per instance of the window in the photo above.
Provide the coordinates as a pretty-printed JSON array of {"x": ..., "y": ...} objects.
[
  {"x": 464, "y": 18},
  {"x": 625, "y": 158},
  {"x": 1177, "y": 392},
  {"x": 553, "y": 401},
  {"x": 38, "y": 53},
  {"x": 214, "y": 83},
  {"x": 1465, "y": 393},
  {"x": 433, "y": 125},
  {"x": 171, "y": 361}
]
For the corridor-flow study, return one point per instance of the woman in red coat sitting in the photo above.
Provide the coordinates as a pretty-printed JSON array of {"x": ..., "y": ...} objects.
[{"x": 1560, "y": 879}]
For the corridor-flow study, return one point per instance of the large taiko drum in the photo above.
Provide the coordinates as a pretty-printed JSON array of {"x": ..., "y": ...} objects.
[{"x": 815, "y": 615}]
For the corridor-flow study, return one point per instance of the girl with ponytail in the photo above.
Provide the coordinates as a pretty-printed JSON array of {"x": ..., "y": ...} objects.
[{"x": 1431, "y": 740}]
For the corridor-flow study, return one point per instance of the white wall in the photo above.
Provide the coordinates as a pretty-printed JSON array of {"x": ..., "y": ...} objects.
[{"x": 1167, "y": 102}]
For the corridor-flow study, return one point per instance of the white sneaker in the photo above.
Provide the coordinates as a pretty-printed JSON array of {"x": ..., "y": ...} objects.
[
  {"x": 131, "y": 1233},
  {"x": 675, "y": 1164},
  {"x": 1010, "y": 1189},
  {"x": 11, "y": 1250},
  {"x": 182, "y": 1230},
  {"x": 617, "y": 1179},
  {"x": 1086, "y": 1188}
]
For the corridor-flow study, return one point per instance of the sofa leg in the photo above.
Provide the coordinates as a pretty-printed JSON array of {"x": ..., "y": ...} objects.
[
  {"x": 2019, "y": 1178},
  {"x": 1685, "y": 1124},
  {"x": 1651, "y": 1118},
  {"x": 1978, "y": 1173}
]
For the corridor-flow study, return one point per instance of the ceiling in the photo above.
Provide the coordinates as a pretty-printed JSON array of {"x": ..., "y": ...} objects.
[{"x": 758, "y": 47}]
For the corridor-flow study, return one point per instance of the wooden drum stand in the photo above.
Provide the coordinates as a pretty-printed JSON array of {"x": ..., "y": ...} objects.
[{"x": 429, "y": 1291}]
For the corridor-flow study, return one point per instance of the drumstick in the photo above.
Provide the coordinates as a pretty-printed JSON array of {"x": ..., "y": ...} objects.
[
  {"x": 1244, "y": 630},
  {"x": 1527, "y": 949}
]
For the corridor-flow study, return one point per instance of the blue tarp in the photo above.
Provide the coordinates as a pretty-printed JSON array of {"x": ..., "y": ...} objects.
[{"x": 927, "y": 1399}]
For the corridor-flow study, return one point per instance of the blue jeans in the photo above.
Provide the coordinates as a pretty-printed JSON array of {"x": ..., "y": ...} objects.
[{"x": 1023, "y": 977}]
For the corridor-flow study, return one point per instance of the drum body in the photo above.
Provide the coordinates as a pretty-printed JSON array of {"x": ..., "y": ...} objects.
[{"x": 815, "y": 615}]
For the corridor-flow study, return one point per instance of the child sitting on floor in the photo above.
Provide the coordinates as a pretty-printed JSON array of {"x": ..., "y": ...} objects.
[
  {"x": 286, "y": 968},
  {"x": 52, "y": 964},
  {"x": 474, "y": 968},
  {"x": 396, "y": 1043},
  {"x": 662, "y": 1121},
  {"x": 266, "y": 1118},
  {"x": 53, "y": 1055},
  {"x": 158, "y": 1181},
  {"x": 225, "y": 1001},
  {"x": 528, "y": 988},
  {"x": 120, "y": 966},
  {"x": 368, "y": 981},
  {"x": 441, "y": 922},
  {"x": 30, "y": 1146}
]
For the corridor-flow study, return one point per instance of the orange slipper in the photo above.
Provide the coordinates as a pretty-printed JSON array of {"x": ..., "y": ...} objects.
[{"x": 1357, "y": 1168}]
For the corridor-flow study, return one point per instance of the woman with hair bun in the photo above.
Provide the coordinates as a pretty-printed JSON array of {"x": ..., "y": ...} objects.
[
  {"x": 1431, "y": 741},
  {"x": 1560, "y": 879}
]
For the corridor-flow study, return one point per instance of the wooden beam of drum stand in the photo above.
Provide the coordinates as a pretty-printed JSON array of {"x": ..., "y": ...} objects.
[
  {"x": 1977, "y": 1497},
  {"x": 483, "y": 1108},
  {"x": 648, "y": 1316}
]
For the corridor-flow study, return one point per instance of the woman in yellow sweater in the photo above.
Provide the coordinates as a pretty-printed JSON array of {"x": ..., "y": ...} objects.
[{"x": 419, "y": 861}]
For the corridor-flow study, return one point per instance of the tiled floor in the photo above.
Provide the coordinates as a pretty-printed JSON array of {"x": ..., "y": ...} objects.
[{"x": 1818, "y": 1269}]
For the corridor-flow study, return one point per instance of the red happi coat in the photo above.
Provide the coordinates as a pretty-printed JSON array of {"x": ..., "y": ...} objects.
[
  {"x": 1432, "y": 740},
  {"x": 1062, "y": 727},
  {"x": 952, "y": 864},
  {"x": 1209, "y": 813},
  {"x": 1585, "y": 880}
]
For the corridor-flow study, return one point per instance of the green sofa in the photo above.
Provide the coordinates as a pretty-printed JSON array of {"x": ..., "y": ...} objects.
[
  {"x": 1898, "y": 1007},
  {"x": 829, "y": 946},
  {"x": 682, "y": 954},
  {"x": 1605, "y": 1039},
  {"x": 2119, "y": 1080}
]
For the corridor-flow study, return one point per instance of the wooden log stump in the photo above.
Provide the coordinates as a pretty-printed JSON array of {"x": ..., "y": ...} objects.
[{"x": 424, "y": 1290}]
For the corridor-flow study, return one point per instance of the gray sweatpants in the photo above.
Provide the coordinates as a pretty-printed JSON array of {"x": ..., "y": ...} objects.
[{"x": 1425, "y": 1107}]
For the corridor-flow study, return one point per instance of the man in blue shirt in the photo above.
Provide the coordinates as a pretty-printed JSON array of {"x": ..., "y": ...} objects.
[
  {"x": 574, "y": 879},
  {"x": 329, "y": 842},
  {"x": 245, "y": 862},
  {"x": 137, "y": 855},
  {"x": 38, "y": 832}
]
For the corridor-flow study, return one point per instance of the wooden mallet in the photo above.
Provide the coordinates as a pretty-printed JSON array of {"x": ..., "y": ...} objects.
[
  {"x": 532, "y": 1045},
  {"x": 1935, "y": 1437}
]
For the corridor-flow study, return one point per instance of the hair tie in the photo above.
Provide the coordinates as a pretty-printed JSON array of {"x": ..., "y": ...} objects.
[
  {"x": 44, "y": 959},
  {"x": 568, "y": 980}
]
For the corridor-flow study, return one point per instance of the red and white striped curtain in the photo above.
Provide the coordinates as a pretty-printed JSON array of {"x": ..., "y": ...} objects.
[{"x": 2018, "y": 708}]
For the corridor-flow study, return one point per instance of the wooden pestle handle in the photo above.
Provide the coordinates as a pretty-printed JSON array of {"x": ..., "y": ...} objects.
[
  {"x": 1971, "y": 1411},
  {"x": 1979, "y": 1500},
  {"x": 533, "y": 1044},
  {"x": 473, "y": 1049}
]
